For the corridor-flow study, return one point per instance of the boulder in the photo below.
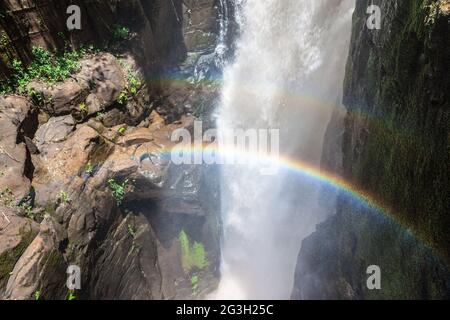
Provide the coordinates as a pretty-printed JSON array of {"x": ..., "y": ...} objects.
[
  {"x": 40, "y": 267},
  {"x": 56, "y": 130},
  {"x": 59, "y": 162},
  {"x": 94, "y": 88},
  {"x": 105, "y": 78},
  {"x": 15, "y": 115},
  {"x": 16, "y": 233}
]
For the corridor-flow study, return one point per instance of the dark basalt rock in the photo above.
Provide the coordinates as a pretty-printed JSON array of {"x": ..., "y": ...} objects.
[
  {"x": 395, "y": 146},
  {"x": 156, "y": 38}
]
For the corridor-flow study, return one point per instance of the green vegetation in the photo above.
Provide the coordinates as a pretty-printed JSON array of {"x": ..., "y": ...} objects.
[
  {"x": 402, "y": 157},
  {"x": 123, "y": 97},
  {"x": 192, "y": 256},
  {"x": 100, "y": 116},
  {"x": 71, "y": 295},
  {"x": 122, "y": 131},
  {"x": 28, "y": 210},
  {"x": 118, "y": 190},
  {"x": 7, "y": 198},
  {"x": 132, "y": 231},
  {"x": 37, "y": 295},
  {"x": 9, "y": 258},
  {"x": 46, "y": 67},
  {"x": 194, "y": 284},
  {"x": 83, "y": 107},
  {"x": 4, "y": 41},
  {"x": 63, "y": 197},
  {"x": 133, "y": 84},
  {"x": 121, "y": 32},
  {"x": 89, "y": 168}
]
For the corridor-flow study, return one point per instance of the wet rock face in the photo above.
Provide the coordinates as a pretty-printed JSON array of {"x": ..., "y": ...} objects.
[
  {"x": 155, "y": 27},
  {"x": 200, "y": 24},
  {"x": 399, "y": 80},
  {"x": 395, "y": 145}
]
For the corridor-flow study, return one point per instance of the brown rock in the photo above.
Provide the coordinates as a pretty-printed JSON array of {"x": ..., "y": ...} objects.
[
  {"x": 14, "y": 112},
  {"x": 16, "y": 233},
  {"x": 97, "y": 85},
  {"x": 40, "y": 261},
  {"x": 55, "y": 130}
]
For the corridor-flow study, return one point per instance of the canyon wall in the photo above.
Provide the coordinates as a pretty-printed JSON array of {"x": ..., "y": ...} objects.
[
  {"x": 84, "y": 174},
  {"x": 395, "y": 146},
  {"x": 155, "y": 26}
]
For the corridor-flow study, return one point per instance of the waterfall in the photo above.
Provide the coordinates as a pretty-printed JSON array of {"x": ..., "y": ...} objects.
[{"x": 287, "y": 74}]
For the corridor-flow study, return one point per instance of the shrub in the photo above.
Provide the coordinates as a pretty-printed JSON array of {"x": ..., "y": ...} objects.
[
  {"x": 133, "y": 84},
  {"x": 192, "y": 255},
  {"x": 7, "y": 198},
  {"x": 46, "y": 67},
  {"x": 64, "y": 197},
  {"x": 121, "y": 32},
  {"x": 122, "y": 131},
  {"x": 71, "y": 295},
  {"x": 132, "y": 231},
  {"x": 118, "y": 190},
  {"x": 123, "y": 97},
  {"x": 28, "y": 211},
  {"x": 194, "y": 284},
  {"x": 89, "y": 168},
  {"x": 83, "y": 107},
  {"x": 37, "y": 295}
]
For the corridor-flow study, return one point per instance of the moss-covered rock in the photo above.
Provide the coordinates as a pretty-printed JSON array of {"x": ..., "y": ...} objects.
[
  {"x": 396, "y": 148},
  {"x": 9, "y": 258},
  {"x": 397, "y": 95}
]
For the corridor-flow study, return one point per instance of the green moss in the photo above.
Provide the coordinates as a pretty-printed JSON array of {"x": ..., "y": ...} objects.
[
  {"x": 53, "y": 260},
  {"x": 194, "y": 284},
  {"x": 192, "y": 256},
  {"x": 403, "y": 156},
  {"x": 9, "y": 258}
]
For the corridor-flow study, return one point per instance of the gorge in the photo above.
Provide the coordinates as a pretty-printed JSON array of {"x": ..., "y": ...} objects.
[{"x": 86, "y": 178}]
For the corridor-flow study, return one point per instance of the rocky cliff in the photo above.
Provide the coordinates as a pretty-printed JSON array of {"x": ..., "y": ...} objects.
[
  {"x": 395, "y": 146},
  {"x": 84, "y": 172},
  {"x": 156, "y": 37}
]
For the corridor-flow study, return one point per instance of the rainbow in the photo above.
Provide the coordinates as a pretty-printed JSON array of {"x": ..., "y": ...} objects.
[
  {"x": 326, "y": 178},
  {"x": 292, "y": 165},
  {"x": 311, "y": 101}
]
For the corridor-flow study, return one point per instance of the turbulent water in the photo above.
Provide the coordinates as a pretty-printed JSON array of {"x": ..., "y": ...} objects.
[{"x": 287, "y": 74}]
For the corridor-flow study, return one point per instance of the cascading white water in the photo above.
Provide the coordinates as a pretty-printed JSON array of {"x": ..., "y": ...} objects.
[{"x": 287, "y": 74}]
